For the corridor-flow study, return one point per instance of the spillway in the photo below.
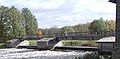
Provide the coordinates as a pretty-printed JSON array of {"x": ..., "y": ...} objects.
[{"x": 34, "y": 54}]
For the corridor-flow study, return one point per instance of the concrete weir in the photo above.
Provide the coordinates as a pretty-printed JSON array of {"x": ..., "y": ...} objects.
[{"x": 46, "y": 43}]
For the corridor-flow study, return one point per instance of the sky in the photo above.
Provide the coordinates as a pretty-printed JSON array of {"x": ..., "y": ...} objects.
[{"x": 60, "y": 13}]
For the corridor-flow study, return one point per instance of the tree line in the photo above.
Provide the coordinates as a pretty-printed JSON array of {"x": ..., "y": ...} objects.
[
  {"x": 97, "y": 25},
  {"x": 14, "y": 22}
]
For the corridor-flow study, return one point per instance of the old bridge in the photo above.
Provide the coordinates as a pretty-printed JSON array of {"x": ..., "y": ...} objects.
[{"x": 48, "y": 41}]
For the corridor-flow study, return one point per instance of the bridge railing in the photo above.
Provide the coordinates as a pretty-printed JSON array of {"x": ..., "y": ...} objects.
[
  {"x": 75, "y": 35},
  {"x": 82, "y": 34}
]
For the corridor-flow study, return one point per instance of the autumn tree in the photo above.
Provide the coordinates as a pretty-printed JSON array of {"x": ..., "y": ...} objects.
[{"x": 110, "y": 25}]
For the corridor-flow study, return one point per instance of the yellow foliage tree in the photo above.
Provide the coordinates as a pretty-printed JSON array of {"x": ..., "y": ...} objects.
[{"x": 39, "y": 33}]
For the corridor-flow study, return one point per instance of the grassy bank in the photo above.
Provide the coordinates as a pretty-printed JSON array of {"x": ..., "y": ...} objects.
[
  {"x": 33, "y": 42},
  {"x": 71, "y": 43},
  {"x": 2, "y": 45},
  {"x": 79, "y": 43}
]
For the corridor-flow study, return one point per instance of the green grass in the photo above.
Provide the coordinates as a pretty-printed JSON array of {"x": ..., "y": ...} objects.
[
  {"x": 71, "y": 43},
  {"x": 33, "y": 42},
  {"x": 2, "y": 45},
  {"x": 79, "y": 43}
]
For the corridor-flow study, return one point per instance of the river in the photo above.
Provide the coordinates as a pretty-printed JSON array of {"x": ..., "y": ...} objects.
[{"x": 34, "y": 54}]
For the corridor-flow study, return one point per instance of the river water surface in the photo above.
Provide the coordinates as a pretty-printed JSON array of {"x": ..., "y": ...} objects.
[{"x": 34, "y": 54}]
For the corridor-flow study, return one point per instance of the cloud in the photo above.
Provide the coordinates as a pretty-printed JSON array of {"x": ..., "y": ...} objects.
[
  {"x": 53, "y": 4},
  {"x": 45, "y": 5},
  {"x": 65, "y": 12}
]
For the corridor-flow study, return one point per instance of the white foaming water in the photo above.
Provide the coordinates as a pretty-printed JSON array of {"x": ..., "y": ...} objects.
[{"x": 33, "y": 54}]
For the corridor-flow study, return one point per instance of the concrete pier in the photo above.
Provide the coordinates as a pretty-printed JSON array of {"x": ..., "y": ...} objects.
[{"x": 46, "y": 43}]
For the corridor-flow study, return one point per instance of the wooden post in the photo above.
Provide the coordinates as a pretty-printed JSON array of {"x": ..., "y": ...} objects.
[{"x": 116, "y": 51}]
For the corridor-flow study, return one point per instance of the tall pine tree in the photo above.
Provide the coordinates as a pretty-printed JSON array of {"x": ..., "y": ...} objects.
[
  {"x": 30, "y": 22},
  {"x": 17, "y": 22}
]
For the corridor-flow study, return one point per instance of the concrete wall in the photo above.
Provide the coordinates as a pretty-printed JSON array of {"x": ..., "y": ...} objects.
[
  {"x": 12, "y": 43},
  {"x": 42, "y": 44},
  {"x": 107, "y": 47}
]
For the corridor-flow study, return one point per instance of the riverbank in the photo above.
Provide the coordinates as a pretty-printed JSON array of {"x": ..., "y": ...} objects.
[
  {"x": 71, "y": 43},
  {"x": 2, "y": 45},
  {"x": 90, "y": 43}
]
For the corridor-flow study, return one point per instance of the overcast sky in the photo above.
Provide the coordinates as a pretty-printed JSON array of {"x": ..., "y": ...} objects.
[{"x": 65, "y": 12}]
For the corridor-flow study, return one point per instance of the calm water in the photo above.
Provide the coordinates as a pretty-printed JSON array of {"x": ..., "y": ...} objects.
[{"x": 33, "y": 54}]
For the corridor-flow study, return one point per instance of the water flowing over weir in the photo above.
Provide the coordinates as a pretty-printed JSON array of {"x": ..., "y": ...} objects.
[{"x": 34, "y": 54}]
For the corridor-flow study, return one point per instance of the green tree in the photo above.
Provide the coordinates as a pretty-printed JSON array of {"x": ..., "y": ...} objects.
[
  {"x": 4, "y": 24},
  {"x": 97, "y": 26},
  {"x": 67, "y": 29},
  {"x": 81, "y": 27},
  {"x": 31, "y": 25},
  {"x": 17, "y": 22}
]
